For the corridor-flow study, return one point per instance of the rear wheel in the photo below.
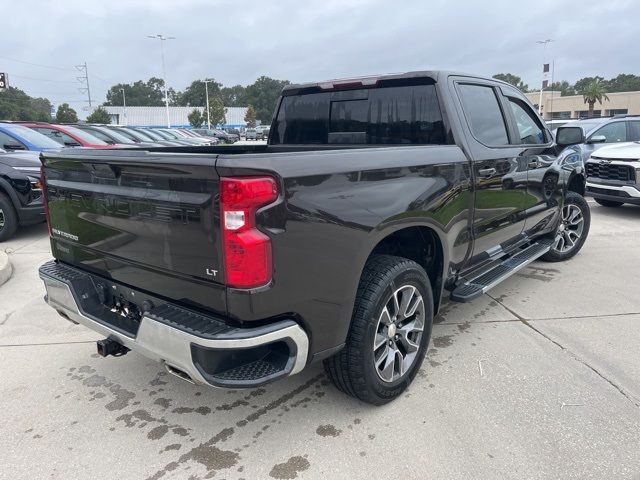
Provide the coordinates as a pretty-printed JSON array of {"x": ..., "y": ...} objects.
[
  {"x": 389, "y": 334},
  {"x": 608, "y": 203},
  {"x": 8, "y": 218},
  {"x": 572, "y": 230}
]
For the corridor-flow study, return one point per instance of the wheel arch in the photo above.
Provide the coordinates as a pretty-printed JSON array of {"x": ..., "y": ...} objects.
[{"x": 419, "y": 242}]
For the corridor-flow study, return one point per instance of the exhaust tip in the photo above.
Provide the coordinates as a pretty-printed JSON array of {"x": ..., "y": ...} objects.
[{"x": 179, "y": 373}]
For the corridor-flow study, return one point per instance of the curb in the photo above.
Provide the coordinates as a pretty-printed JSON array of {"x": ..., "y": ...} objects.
[{"x": 5, "y": 268}]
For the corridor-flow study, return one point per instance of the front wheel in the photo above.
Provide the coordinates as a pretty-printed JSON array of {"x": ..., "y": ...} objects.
[
  {"x": 572, "y": 230},
  {"x": 389, "y": 333},
  {"x": 608, "y": 203}
]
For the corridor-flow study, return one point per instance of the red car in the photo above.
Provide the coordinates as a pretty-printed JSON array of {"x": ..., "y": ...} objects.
[{"x": 70, "y": 136}]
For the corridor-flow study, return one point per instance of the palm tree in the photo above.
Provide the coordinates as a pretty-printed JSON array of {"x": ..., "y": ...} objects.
[{"x": 593, "y": 92}]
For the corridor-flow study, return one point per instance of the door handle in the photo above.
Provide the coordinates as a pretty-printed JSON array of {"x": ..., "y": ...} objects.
[{"x": 487, "y": 172}]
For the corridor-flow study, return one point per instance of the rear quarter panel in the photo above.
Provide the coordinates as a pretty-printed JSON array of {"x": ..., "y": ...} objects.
[{"x": 325, "y": 225}]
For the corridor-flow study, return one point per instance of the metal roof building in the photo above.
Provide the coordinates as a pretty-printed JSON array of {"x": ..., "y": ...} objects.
[{"x": 157, "y": 116}]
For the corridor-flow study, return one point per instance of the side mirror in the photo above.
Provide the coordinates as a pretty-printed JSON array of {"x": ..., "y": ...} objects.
[
  {"x": 13, "y": 146},
  {"x": 566, "y": 136},
  {"x": 597, "y": 139}
]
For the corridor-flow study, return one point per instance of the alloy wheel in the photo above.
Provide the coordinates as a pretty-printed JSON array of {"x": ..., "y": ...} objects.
[
  {"x": 398, "y": 333},
  {"x": 570, "y": 229}
]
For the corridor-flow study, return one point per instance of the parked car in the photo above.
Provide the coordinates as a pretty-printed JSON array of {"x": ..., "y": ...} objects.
[
  {"x": 251, "y": 134},
  {"x": 158, "y": 133},
  {"x": 613, "y": 175},
  {"x": 114, "y": 137},
  {"x": 69, "y": 136},
  {"x": 177, "y": 135},
  {"x": 14, "y": 137},
  {"x": 554, "y": 124},
  {"x": 599, "y": 132},
  {"x": 250, "y": 263},
  {"x": 145, "y": 135},
  {"x": 219, "y": 135},
  {"x": 20, "y": 191}
]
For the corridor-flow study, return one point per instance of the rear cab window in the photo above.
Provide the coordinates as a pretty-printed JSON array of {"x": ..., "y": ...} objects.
[
  {"x": 379, "y": 115},
  {"x": 483, "y": 113}
]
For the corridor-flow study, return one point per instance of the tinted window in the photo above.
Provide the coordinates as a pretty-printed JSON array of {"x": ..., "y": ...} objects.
[
  {"x": 385, "y": 115},
  {"x": 61, "y": 138},
  {"x": 528, "y": 129},
  {"x": 31, "y": 136},
  {"x": 85, "y": 136},
  {"x": 635, "y": 131},
  {"x": 484, "y": 114},
  {"x": 614, "y": 132},
  {"x": 7, "y": 140}
]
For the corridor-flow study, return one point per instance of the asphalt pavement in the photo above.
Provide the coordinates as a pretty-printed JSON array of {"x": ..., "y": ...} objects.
[{"x": 539, "y": 379}]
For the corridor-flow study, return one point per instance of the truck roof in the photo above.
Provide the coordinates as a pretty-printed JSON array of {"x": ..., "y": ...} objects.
[{"x": 371, "y": 80}]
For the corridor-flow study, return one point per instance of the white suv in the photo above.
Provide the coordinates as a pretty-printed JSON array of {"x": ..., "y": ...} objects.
[{"x": 613, "y": 174}]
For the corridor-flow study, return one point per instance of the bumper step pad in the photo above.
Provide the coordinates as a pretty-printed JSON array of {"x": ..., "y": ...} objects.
[
  {"x": 502, "y": 270},
  {"x": 198, "y": 347}
]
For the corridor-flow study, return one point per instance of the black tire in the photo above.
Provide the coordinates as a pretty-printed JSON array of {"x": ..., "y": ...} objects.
[
  {"x": 8, "y": 218},
  {"x": 572, "y": 199},
  {"x": 608, "y": 203},
  {"x": 353, "y": 370}
]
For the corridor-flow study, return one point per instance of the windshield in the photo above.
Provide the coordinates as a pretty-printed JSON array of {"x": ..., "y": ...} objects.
[
  {"x": 588, "y": 127},
  {"x": 171, "y": 135},
  {"x": 117, "y": 136},
  {"x": 135, "y": 134},
  {"x": 33, "y": 137},
  {"x": 85, "y": 136},
  {"x": 154, "y": 135}
]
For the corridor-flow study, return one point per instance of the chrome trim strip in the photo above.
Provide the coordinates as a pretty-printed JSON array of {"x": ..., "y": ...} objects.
[
  {"x": 169, "y": 345},
  {"x": 633, "y": 192}
]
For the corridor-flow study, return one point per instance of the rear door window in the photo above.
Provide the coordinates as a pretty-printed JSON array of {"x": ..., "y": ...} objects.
[
  {"x": 484, "y": 114},
  {"x": 635, "y": 131},
  {"x": 394, "y": 115}
]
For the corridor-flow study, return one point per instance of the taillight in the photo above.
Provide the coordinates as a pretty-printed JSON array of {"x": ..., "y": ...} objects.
[
  {"x": 247, "y": 251},
  {"x": 45, "y": 198}
]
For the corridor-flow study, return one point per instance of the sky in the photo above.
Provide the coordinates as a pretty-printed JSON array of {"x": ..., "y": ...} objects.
[{"x": 237, "y": 41}]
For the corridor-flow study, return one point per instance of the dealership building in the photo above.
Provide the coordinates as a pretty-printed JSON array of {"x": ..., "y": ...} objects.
[
  {"x": 178, "y": 116},
  {"x": 556, "y": 107}
]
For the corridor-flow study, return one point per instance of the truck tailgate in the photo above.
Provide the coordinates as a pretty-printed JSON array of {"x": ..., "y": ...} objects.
[{"x": 144, "y": 219}]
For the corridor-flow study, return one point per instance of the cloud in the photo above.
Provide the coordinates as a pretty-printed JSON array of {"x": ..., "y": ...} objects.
[{"x": 237, "y": 41}]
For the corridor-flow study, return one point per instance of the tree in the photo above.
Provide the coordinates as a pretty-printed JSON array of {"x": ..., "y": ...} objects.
[
  {"x": 15, "y": 104},
  {"x": 195, "y": 94},
  {"x": 250, "y": 117},
  {"x": 595, "y": 91},
  {"x": 263, "y": 94},
  {"x": 234, "y": 96},
  {"x": 564, "y": 87},
  {"x": 624, "y": 82},
  {"x": 217, "y": 112},
  {"x": 99, "y": 115},
  {"x": 66, "y": 114},
  {"x": 581, "y": 84},
  {"x": 139, "y": 94},
  {"x": 195, "y": 118},
  {"x": 514, "y": 80}
]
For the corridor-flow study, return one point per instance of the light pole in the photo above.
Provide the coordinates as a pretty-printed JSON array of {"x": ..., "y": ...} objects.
[
  {"x": 124, "y": 106},
  {"x": 162, "y": 39},
  {"x": 206, "y": 93},
  {"x": 544, "y": 43}
]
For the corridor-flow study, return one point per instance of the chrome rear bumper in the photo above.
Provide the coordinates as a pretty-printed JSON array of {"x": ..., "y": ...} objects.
[{"x": 180, "y": 349}]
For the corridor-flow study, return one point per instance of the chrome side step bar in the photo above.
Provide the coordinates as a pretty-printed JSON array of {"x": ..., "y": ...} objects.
[{"x": 477, "y": 286}]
